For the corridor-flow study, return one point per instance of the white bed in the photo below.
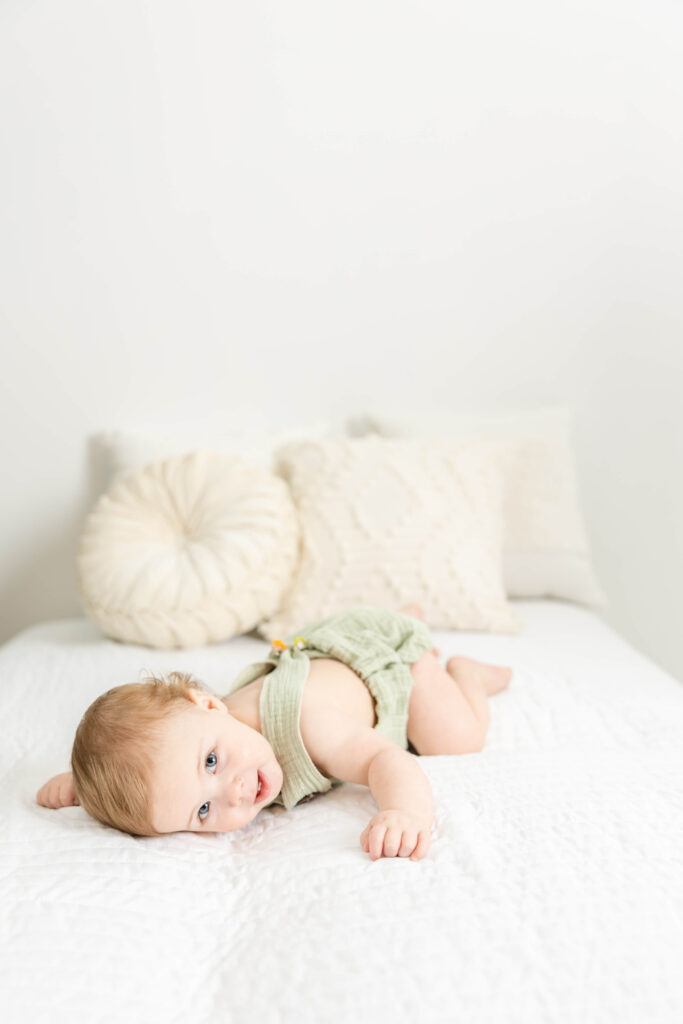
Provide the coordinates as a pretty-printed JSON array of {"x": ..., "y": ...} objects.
[{"x": 553, "y": 891}]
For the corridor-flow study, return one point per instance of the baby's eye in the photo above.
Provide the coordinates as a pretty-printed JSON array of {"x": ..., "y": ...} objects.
[
  {"x": 204, "y": 810},
  {"x": 211, "y": 761}
]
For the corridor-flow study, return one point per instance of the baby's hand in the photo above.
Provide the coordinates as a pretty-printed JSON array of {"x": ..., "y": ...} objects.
[
  {"x": 58, "y": 792},
  {"x": 396, "y": 834}
]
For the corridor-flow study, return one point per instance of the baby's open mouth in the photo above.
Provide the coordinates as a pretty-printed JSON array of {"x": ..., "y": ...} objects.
[{"x": 262, "y": 788}]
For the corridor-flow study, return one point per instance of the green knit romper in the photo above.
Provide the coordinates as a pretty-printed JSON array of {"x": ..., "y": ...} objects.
[{"x": 379, "y": 645}]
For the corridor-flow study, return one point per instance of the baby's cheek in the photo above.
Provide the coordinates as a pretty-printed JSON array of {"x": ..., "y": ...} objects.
[{"x": 237, "y": 821}]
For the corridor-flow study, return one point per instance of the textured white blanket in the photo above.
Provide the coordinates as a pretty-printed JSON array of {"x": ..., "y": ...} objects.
[{"x": 553, "y": 890}]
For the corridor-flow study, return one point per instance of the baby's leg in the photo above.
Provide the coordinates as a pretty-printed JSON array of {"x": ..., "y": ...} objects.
[
  {"x": 493, "y": 678},
  {"x": 448, "y": 711}
]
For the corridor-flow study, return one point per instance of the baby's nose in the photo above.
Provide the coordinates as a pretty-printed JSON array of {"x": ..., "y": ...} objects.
[{"x": 237, "y": 790}]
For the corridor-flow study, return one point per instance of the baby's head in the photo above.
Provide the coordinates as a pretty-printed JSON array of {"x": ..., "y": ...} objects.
[{"x": 164, "y": 756}]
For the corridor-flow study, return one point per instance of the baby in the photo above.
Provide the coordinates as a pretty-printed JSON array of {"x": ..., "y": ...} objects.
[{"x": 350, "y": 700}]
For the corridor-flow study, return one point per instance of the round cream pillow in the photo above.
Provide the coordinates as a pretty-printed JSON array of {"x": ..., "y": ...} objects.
[{"x": 187, "y": 551}]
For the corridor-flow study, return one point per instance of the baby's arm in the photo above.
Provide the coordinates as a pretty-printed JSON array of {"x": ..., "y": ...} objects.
[
  {"x": 344, "y": 749},
  {"x": 58, "y": 792},
  {"x": 406, "y": 809}
]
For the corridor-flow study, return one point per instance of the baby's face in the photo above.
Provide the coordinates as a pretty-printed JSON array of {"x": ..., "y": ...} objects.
[{"x": 213, "y": 773}]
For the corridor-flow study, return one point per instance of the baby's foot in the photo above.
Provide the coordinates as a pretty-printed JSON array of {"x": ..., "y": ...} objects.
[
  {"x": 494, "y": 678},
  {"x": 414, "y": 611}
]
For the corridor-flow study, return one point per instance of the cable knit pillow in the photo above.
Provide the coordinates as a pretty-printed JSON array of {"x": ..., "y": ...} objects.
[
  {"x": 188, "y": 551},
  {"x": 393, "y": 522},
  {"x": 545, "y": 544}
]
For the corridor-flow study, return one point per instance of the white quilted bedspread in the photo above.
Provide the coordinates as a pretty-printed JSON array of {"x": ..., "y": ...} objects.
[{"x": 553, "y": 891}]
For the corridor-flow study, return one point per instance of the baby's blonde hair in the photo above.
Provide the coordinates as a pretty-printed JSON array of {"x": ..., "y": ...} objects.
[{"x": 115, "y": 746}]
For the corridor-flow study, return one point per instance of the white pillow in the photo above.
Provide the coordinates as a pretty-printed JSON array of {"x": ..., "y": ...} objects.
[
  {"x": 395, "y": 522},
  {"x": 123, "y": 450},
  {"x": 545, "y": 545},
  {"x": 188, "y": 551}
]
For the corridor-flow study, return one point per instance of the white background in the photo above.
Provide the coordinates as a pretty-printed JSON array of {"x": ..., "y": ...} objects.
[{"x": 273, "y": 212}]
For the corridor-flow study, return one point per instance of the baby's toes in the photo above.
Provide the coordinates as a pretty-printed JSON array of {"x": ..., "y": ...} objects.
[{"x": 414, "y": 611}]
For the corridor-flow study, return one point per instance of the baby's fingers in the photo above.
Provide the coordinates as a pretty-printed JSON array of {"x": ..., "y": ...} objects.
[
  {"x": 45, "y": 795},
  {"x": 376, "y": 841},
  {"x": 394, "y": 841},
  {"x": 66, "y": 796},
  {"x": 423, "y": 843},
  {"x": 408, "y": 843},
  {"x": 372, "y": 840},
  {"x": 57, "y": 792}
]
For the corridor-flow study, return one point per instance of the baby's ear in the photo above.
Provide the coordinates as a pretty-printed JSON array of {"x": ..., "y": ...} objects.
[{"x": 207, "y": 701}]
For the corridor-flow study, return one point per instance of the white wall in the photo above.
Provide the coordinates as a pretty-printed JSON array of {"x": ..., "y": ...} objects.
[{"x": 271, "y": 212}]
